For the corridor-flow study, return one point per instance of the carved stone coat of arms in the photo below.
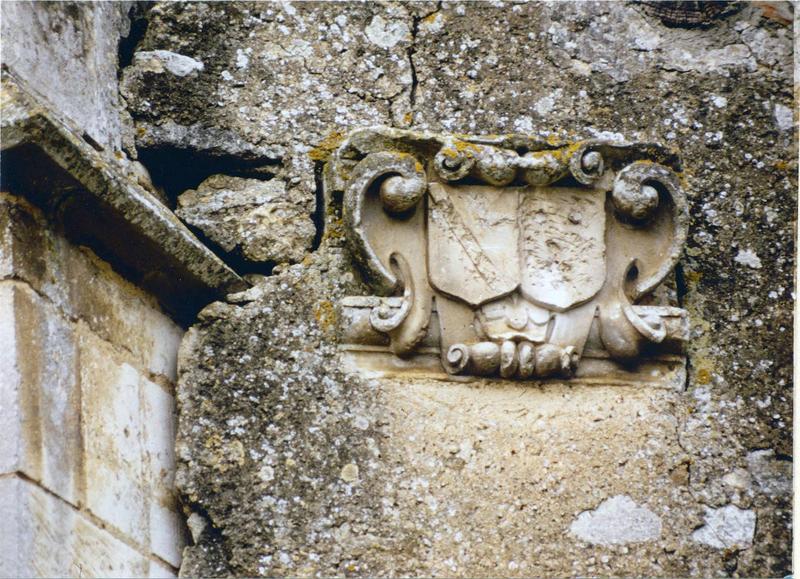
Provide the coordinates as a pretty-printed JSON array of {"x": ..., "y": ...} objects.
[{"x": 509, "y": 256}]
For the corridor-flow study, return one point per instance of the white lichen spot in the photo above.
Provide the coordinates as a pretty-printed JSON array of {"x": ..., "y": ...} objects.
[
  {"x": 749, "y": 258},
  {"x": 433, "y": 23},
  {"x": 546, "y": 104},
  {"x": 266, "y": 473},
  {"x": 288, "y": 8},
  {"x": 719, "y": 101},
  {"x": 617, "y": 521},
  {"x": 465, "y": 450},
  {"x": 386, "y": 34},
  {"x": 647, "y": 41},
  {"x": 523, "y": 125},
  {"x": 349, "y": 473},
  {"x": 738, "y": 479},
  {"x": 160, "y": 60},
  {"x": 361, "y": 423},
  {"x": 784, "y": 117},
  {"x": 726, "y": 528},
  {"x": 242, "y": 60},
  {"x": 607, "y": 135}
]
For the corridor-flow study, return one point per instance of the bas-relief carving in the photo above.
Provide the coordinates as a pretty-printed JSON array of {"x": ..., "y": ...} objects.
[{"x": 510, "y": 256}]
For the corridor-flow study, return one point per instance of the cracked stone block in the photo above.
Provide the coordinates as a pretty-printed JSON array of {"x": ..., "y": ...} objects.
[
  {"x": 286, "y": 83},
  {"x": 252, "y": 218}
]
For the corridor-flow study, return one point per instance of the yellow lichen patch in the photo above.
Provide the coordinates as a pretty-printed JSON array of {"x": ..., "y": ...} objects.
[
  {"x": 325, "y": 314},
  {"x": 553, "y": 140},
  {"x": 464, "y": 147},
  {"x": 224, "y": 454},
  {"x": 431, "y": 18},
  {"x": 691, "y": 276},
  {"x": 703, "y": 376},
  {"x": 327, "y": 146},
  {"x": 334, "y": 228}
]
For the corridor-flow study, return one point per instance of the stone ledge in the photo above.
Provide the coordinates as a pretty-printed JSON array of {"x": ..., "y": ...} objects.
[{"x": 47, "y": 160}]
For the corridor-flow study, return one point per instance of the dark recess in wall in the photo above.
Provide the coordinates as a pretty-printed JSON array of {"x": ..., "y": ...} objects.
[
  {"x": 174, "y": 170},
  {"x": 127, "y": 44}
]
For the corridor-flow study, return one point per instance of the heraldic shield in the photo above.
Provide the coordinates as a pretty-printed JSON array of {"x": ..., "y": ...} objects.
[
  {"x": 510, "y": 256},
  {"x": 486, "y": 242}
]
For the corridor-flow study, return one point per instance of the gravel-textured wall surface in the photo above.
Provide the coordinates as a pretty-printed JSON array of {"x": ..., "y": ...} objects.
[{"x": 298, "y": 468}]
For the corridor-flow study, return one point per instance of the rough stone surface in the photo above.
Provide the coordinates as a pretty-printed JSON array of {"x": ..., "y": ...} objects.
[
  {"x": 347, "y": 475},
  {"x": 69, "y": 53},
  {"x": 251, "y": 217},
  {"x": 268, "y": 421}
]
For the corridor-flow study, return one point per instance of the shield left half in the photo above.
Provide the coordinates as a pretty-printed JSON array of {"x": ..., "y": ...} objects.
[
  {"x": 562, "y": 243},
  {"x": 473, "y": 236}
]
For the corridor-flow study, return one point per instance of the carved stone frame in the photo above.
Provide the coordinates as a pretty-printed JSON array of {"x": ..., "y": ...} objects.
[{"x": 524, "y": 249}]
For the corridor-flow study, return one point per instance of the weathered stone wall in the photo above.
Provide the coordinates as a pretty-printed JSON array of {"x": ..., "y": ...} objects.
[
  {"x": 299, "y": 468},
  {"x": 290, "y": 463},
  {"x": 88, "y": 368},
  {"x": 68, "y": 52},
  {"x": 87, "y": 359}
]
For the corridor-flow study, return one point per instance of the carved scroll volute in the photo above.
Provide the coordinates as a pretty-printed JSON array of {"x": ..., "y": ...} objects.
[
  {"x": 384, "y": 211},
  {"x": 645, "y": 235}
]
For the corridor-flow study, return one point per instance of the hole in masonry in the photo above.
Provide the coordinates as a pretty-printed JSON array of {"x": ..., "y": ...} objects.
[
  {"x": 174, "y": 170},
  {"x": 318, "y": 217},
  {"x": 128, "y": 44}
]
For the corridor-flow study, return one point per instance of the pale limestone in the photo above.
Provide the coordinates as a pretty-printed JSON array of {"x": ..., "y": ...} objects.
[
  {"x": 127, "y": 481},
  {"x": 114, "y": 459},
  {"x": 167, "y": 529},
  {"x": 47, "y": 537},
  {"x": 163, "y": 338},
  {"x": 617, "y": 521},
  {"x": 83, "y": 286},
  {"x": 49, "y": 395},
  {"x": 160, "y": 571},
  {"x": 727, "y": 528},
  {"x": 10, "y": 423},
  {"x": 40, "y": 392}
]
